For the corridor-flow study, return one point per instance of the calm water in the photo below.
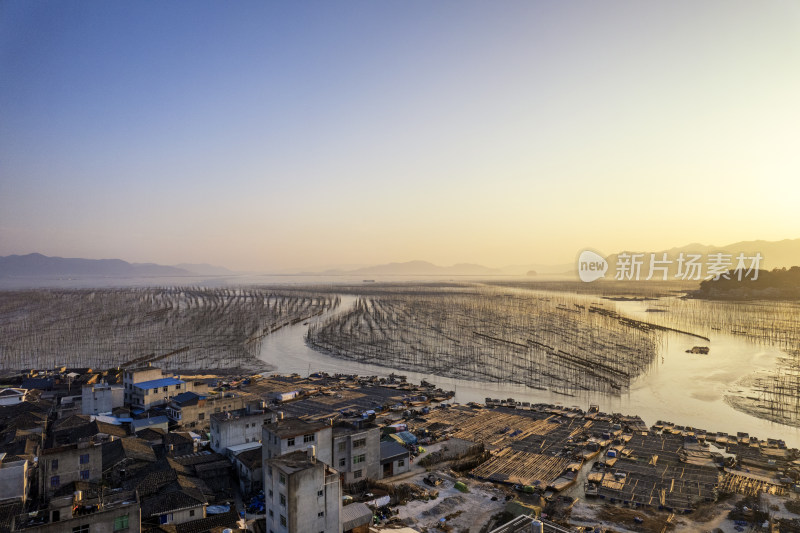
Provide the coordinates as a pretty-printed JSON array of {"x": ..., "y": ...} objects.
[{"x": 686, "y": 389}]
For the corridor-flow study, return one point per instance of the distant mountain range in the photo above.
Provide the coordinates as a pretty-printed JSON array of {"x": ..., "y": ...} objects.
[
  {"x": 785, "y": 253},
  {"x": 38, "y": 265},
  {"x": 775, "y": 254}
]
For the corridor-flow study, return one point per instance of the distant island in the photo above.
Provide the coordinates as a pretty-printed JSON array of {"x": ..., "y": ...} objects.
[
  {"x": 38, "y": 265},
  {"x": 775, "y": 284}
]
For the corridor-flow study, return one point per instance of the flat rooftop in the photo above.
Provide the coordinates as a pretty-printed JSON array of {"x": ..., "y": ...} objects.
[
  {"x": 298, "y": 461},
  {"x": 293, "y": 427}
]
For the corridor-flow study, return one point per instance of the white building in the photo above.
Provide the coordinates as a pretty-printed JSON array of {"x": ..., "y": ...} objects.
[
  {"x": 12, "y": 396},
  {"x": 302, "y": 494},
  {"x": 101, "y": 398},
  {"x": 241, "y": 426},
  {"x": 293, "y": 434},
  {"x": 13, "y": 478}
]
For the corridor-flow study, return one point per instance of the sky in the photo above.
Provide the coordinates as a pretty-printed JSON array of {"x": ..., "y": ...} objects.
[{"x": 279, "y": 135}]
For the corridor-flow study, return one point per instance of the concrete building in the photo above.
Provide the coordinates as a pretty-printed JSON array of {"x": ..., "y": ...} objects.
[
  {"x": 242, "y": 426},
  {"x": 13, "y": 478},
  {"x": 193, "y": 410},
  {"x": 73, "y": 462},
  {"x": 147, "y": 394},
  {"x": 101, "y": 398},
  {"x": 138, "y": 375},
  {"x": 293, "y": 434},
  {"x": 395, "y": 459},
  {"x": 115, "y": 512},
  {"x": 302, "y": 495},
  {"x": 248, "y": 468},
  {"x": 12, "y": 396},
  {"x": 357, "y": 450}
]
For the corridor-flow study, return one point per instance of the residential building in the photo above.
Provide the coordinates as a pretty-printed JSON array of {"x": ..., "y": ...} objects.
[
  {"x": 72, "y": 462},
  {"x": 147, "y": 394},
  {"x": 248, "y": 468},
  {"x": 242, "y": 426},
  {"x": 302, "y": 494},
  {"x": 356, "y": 450},
  {"x": 13, "y": 478},
  {"x": 113, "y": 513},
  {"x": 395, "y": 459},
  {"x": 292, "y": 434},
  {"x": 193, "y": 410},
  {"x": 101, "y": 398},
  {"x": 12, "y": 396},
  {"x": 356, "y": 518}
]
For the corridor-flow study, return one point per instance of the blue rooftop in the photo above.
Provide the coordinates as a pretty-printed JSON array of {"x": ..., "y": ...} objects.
[{"x": 155, "y": 383}]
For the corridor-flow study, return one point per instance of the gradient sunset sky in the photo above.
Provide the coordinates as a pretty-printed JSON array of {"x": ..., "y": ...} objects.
[{"x": 283, "y": 134}]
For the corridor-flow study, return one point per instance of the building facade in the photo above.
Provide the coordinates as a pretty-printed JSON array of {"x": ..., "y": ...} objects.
[
  {"x": 73, "y": 462},
  {"x": 101, "y": 398},
  {"x": 293, "y": 434},
  {"x": 231, "y": 428},
  {"x": 357, "y": 451},
  {"x": 13, "y": 478},
  {"x": 302, "y": 495}
]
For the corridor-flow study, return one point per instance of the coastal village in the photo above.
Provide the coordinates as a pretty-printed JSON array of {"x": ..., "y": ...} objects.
[{"x": 141, "y": 449}]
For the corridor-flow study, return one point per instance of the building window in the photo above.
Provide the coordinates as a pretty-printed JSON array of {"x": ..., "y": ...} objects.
[
  {"x": 320, "y": 514},
  {"x": 290, "y": 441},
  {"x": 282, "y": 498},
  {"x": 343, "y": 446},
  {"x": 282, "y": 478},
  {"x": 357, "y": 474},
  {"x": 401, "y": 462},
  {"x": 320, "y": 493},
  {"x": 359, "y": 459},
  {"x": 165, "y": 389},
  {"x": 283, "y": 521},
  {"x": 201, "y": 416},
  {"x": 342, "y": 462},
  {"x": 81, "y": 529},
  {"x": 358, "y": 443},
  {"x": 309, "y": 438},
  {"x": 120, "y": 523},
  {"x": 191, "y": 512},
  {"x": 85, "y": 475},
  {"x": 55, "y": 482},
  {"x": 270, "y": 514},
  {"x": 84, "y": 458},
  {"x": 271, "y": 494},
  {"x": 54, "y": 464}
]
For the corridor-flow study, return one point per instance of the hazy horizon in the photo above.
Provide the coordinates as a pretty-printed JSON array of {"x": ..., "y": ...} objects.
[{"x": 296, "y": 136}]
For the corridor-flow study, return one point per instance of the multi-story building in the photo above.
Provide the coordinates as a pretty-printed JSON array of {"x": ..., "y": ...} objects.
[
  {"x": 292, "y": 434},
  {"x": 13, "y": 478},
  {"x": 231, "y": 428},
  {"x": 147, "y": 394},
  {"x": 101, "y": 398},
  {"x": 302, "y": 494},
  {"x": 357, "y": 450},
  {"x": 114, "y": 512},
  {"x": 72, "y": 462},
  {"x": 193, "y": 410}
]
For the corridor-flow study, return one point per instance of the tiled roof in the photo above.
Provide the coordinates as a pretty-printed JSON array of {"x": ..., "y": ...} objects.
[
  {"x": 170, "y": 500},
  {"x": 391, "y": 450},
  {"x": 211, "y": 522},
  {"x": 132, "y": 448},
  {"x": 250, "y": 458}
]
